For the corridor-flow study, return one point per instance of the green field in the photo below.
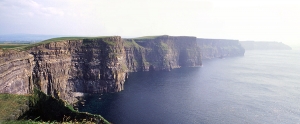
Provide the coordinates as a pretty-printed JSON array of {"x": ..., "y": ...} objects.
[{"x": 12, "y": 46}]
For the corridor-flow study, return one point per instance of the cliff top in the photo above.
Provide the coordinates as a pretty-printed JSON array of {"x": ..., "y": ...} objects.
[
  {"x": 22, "y": 47},
  {"x": 59, "y": 39},
  {"x": 145, "y": 38},
  {"x": 10, "y": 104}
]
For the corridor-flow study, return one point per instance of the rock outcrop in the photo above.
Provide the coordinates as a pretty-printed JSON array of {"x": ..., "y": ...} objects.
[
  {"x": 220, "y": 48},
  {"x": 253, "y": 45},
  {"x": 65, "y": 66},
  {"x": 16, "y": 72}
]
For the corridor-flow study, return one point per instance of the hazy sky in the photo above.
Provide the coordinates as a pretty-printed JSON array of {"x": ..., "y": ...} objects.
[{"x": 261, "y": 20}]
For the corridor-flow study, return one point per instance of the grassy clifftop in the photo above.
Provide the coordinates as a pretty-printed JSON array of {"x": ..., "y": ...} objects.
[
  {"x": 148, "y": 37},
  {"x": 11, "y": 105},
  {"x": 59, "y": 39}
]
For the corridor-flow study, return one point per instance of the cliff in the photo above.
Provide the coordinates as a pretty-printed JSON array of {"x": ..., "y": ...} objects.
[
  {"x": 40, "y": 108},
  {"x": 16, "y": 72},
  {"x": 66, "y": 67},
  {"x": 253, "y": 45},
  {"x": 219, "y": 48},
  {"x": 162, "y": 53}
]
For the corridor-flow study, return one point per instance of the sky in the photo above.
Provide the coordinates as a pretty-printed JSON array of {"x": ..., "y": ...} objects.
[{"x": 258, "y": 20}]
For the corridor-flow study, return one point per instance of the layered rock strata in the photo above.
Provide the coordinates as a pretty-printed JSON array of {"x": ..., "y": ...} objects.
[
  {"x": 16, "y": 72},
  {"x": 162, "y": 53},
  {"x": 63, "y": 67}
]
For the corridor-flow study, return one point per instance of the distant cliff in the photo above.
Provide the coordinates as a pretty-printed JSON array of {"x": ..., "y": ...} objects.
[
  {"x": 253, "y": 45},
  {"x": 63, "y": 67},
  {"x": 219, "y": 48},
  {"x": 162, "y": 53}
]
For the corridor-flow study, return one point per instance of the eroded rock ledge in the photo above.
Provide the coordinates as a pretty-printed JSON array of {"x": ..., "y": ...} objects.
[{"x": 62, "y": 67}]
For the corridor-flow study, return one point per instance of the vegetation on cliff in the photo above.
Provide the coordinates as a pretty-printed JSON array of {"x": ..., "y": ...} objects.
[
  {"x": 40, "y": 107},
  {"x": 10, "y": 46},
  {"x": 59, "y": 39},
  {"x": 148, "y": 37},
  {"x": 12, "y": 105}
]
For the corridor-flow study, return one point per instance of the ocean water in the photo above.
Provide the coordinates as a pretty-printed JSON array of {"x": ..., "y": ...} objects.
[{"x": 260, "y": 87}]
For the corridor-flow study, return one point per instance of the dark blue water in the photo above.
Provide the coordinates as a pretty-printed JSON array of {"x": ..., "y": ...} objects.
[{"x": 261, "y": 87}]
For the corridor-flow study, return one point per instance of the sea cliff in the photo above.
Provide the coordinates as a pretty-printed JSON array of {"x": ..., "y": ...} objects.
[
  {"x": 162, "y": 53},
  {"x": 66, "y": 67},
  {"x": 262, "y": 45},
  {"x": 220, "y": 48},
  {"x": 69, "y": 67}
]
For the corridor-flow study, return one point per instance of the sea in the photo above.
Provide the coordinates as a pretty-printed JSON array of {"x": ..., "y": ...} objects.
[{"x": 261, "y": 87}]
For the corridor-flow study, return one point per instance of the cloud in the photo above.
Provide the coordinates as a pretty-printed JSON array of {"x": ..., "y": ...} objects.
[
  {"x": 27, "y": 8},
  {"x": 51, "y": 11},
  {"x": 234, "y": 19}
]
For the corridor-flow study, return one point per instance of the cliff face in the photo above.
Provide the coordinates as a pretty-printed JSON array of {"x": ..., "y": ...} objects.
[
  {"x": 91, "y": 65},
  {"x": 252, "y": 45},
  {"x": 219, "y": 48},
  {"x": 15, "y": 72},
  {"x": 162, "y": 53}
]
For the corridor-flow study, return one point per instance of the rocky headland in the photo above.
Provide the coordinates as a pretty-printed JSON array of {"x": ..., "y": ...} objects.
[
  {"x": 220, "y": 48},
  {"x": 263, "y": 45}
]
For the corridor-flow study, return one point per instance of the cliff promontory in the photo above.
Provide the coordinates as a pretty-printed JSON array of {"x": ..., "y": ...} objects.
[
  {"x": 219, "y": 48},
  {"x": 162, "y": 53},
  {"x": 254, "y": 45}
]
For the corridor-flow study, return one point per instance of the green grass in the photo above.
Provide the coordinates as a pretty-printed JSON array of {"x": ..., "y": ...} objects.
[
  {"x": 110, "y": 43},
  {"x": 43, "y": 122},
  {"x": 59, "y": 39},
  {"x": 148, "y": 37},
  {"x": 10, "y": 104},
  {"x": 21, "y": 122},
  {"x": 43, "y": 109},
  {"x": 164, "y": 47},
  {"x": 132, "y": 43},
  {"x": 70, "y": 38},
  {"x": 12, "y": 46}
]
